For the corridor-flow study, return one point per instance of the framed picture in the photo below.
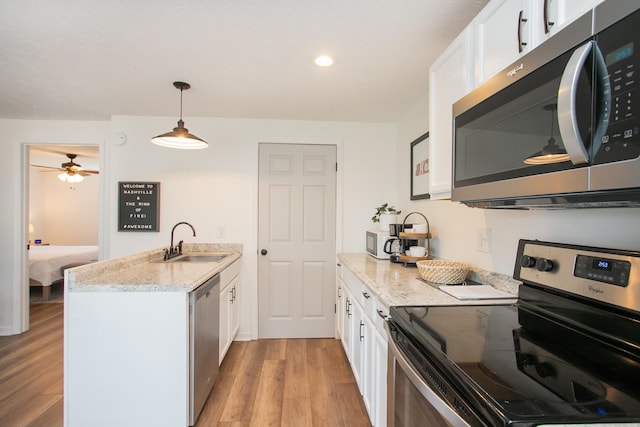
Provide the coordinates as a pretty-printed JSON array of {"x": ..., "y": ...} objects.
[{"x": 420, "y": 168}]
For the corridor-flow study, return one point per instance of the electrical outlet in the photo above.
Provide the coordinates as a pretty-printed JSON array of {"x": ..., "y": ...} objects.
[
  {"x": 483, "y": 239},
  {"x": 221, "y": 232}
]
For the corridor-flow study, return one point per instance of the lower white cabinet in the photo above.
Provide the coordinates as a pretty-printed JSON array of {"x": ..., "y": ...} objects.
[
  {"x": 229, "y": 307},
  {"x": 364, "y": 339}
]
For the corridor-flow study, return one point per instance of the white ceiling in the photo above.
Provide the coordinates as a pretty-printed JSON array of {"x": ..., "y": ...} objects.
[{"x": 91, "y": 59}]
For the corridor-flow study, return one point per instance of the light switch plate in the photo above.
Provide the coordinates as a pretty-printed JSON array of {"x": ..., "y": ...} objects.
[{"x": 483, "y": 240}]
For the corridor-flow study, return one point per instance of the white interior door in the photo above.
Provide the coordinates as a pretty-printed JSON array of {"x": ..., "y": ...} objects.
[{"x": 296, "y": 240}]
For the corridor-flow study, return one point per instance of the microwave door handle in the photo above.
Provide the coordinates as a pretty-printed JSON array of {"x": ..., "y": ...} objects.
[
  {"x": 567, "y": 122},
  {"x": 604, "y": 91}
]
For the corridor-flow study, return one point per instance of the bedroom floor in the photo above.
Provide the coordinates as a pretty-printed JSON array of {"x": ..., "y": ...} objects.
[
  {"x": 55, "y": 296},
  {"x": 301, "y": 382}
]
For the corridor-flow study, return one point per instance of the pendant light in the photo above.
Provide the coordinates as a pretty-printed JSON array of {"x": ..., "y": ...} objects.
[
  {"x": 550, "y": 153},
  {"x": 180, "y": 136}
]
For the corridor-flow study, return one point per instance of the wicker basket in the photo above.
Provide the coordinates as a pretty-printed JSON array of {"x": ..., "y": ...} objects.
[{"x": 444, "y": 272}]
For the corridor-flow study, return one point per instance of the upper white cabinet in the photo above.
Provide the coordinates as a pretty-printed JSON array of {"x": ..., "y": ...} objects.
[
  {"x": 507, "y": 29},
  {"x": 450, "y": 78},
  {"x": 557, "y": 14},
  {"x": 503, "y": 32}
]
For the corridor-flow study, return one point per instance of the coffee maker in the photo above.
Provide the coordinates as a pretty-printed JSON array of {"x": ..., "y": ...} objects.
[{"x": 395, "y": 246}]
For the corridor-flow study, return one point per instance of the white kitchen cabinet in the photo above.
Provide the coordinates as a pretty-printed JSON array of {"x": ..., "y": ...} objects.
[
  {"x": 340, "y": 305},
  {"x": 503, "y": 32},
  {"x": 560, "y": 13},
  {"x": 507, "y": 29},
  {"x": 367, "y": 343},
  {"x": 357, "y": 351},
  {"x": 450, "y": 78},
  {"x": 347, "y": 322},
  {"x": 229, "y": 307},
  {"x": 379, "y": 398},
  {"x": 365, "y": 339}
]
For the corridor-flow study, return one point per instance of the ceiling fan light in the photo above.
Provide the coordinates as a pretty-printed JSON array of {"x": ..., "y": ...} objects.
[
  {"x": 180, "y": 136},
  {"x": 70, "y": 178}
]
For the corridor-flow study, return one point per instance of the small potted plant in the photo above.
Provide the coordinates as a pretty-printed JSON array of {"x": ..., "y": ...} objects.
[{"x": 386, "y": 215}]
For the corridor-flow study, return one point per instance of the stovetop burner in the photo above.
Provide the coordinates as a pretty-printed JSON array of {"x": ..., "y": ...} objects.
[
  {"x": 567, "y": 351},
  {"x": 514, "y": 372}
]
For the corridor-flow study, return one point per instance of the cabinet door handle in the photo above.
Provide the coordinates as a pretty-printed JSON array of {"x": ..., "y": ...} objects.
[
  {"x": 263, "y": 252},
  {"x": 361, "y": 330},
  {"x": 348, "y": 307},
  {"x": 521, "y": 20},
  {"x": 339, "y": 292},
  {"x": 366, "y": 295},
  {"x": 545, "y": 15},
  {"x": 381, "y": 314}
]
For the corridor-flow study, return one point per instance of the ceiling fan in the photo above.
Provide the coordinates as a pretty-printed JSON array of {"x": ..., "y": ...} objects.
[{"x": 70, "y": 171}]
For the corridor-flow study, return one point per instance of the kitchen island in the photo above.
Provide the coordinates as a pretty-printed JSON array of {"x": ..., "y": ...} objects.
[{"x": 126, "y": 337}]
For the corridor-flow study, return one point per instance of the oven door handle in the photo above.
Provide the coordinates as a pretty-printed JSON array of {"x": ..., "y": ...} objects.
[
  {"x": 434, "y": 400},
  {"x": 567, "y": 91}
]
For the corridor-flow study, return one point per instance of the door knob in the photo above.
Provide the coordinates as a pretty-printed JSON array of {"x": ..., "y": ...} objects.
[{"x": 263, "y": 252}]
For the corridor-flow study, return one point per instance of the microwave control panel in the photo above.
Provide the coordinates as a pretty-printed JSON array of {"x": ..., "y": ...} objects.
[{"x": 619, "y": 103}]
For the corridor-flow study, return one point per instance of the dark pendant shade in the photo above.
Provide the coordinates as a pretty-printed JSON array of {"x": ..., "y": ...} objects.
[{"x": 180, "y": 136}]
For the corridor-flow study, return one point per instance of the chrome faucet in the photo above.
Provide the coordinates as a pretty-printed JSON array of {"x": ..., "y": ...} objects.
[{"x": 177, "y": 250}]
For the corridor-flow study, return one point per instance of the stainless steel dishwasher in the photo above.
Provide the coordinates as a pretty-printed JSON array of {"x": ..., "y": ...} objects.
[{"x": 204, "y": 337}]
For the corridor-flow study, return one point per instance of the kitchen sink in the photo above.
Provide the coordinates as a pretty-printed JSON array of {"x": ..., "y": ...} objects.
[{"x": 197, "y": 258}]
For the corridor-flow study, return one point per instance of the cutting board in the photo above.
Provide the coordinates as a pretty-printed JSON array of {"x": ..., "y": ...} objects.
[{"x": 475, "y": 292}]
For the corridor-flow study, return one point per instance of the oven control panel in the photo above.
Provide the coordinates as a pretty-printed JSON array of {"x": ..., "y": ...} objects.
[
  {"x": 606, "y": 270},
  {"x": 606, "y": 275}
]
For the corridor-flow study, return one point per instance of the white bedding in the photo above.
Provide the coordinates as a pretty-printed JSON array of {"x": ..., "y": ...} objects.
[{"x": 45, "y": 261}]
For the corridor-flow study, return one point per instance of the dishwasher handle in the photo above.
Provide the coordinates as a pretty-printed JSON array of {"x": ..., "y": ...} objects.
[{"x": 205, "y": 289}]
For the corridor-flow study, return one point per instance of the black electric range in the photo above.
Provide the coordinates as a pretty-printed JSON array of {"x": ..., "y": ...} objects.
[{"x": 567, "y": 352}]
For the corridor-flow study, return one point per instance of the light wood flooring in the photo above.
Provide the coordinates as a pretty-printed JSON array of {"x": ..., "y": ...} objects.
[{"x": 300, "y": 382}]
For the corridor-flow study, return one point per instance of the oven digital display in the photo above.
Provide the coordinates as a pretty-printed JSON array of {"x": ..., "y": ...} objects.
[
  {"x": 605, "y": 270},
  {"x": 619, "y": 54},
  {"x": 601, "y": 264}
]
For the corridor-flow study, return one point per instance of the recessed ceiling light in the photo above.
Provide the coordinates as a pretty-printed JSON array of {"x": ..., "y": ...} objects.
[{"x": 323, "y": 61}]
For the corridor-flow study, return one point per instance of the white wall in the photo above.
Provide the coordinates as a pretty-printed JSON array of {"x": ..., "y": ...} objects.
[
  {"x": 62, "y": 213},
  {"x": 218, "y": 186},
  {"x": 454, "y": 225},
  {"x": 211, "y": 188}
]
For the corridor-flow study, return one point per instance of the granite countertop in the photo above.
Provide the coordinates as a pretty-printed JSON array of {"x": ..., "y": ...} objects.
[
  {"x": 395, "y": 284},
  {"x": 145, "y": 272}
]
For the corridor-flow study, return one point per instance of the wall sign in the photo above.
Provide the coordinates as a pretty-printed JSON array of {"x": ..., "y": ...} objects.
[
  {"x": 138, "y": 206},
  {"x": 420, "y": 168}
]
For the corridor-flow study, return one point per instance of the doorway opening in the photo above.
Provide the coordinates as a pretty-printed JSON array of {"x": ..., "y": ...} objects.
[{"x": 62, "y": 198}]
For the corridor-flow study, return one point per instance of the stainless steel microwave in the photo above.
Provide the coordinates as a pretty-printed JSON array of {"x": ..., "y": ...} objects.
[{"x": 561, "y": 126}]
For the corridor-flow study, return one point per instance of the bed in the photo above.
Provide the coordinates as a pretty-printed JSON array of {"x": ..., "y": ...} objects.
[{"x": 46, "y": 262}]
